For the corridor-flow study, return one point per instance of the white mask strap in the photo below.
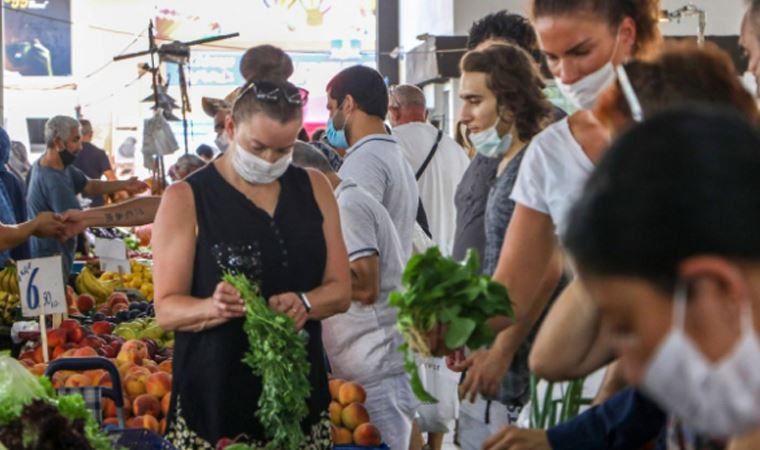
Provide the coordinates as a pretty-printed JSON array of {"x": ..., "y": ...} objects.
[
  {"x": 680, "y": 301},
  {"x": 637, "y": 113}
]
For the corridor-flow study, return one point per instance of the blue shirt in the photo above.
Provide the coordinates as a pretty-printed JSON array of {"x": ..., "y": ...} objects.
[
  {"x": 626, "y": 421},
  {"x": 56, "y": 191}
]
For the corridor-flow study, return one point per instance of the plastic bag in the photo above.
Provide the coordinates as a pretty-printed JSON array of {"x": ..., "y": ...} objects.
[
  {"x": 18, "y": 387},
  {"x": 443, "y": 384}
]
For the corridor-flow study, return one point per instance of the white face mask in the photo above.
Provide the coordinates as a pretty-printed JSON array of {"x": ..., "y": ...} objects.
[
  {"x": 489, "y": 144},
  {"x": 584, "y": 92},
  {"x": 718, "y": 399},
  {"x": 256, "y": 170},
  {"x": 222, "y": 142}
]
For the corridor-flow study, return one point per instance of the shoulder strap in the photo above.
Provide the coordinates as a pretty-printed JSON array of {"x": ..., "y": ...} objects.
[{"x": 430, "y": 155}]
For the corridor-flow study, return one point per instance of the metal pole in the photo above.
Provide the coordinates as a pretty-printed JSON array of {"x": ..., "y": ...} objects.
[{"x": 183, "y": 94}]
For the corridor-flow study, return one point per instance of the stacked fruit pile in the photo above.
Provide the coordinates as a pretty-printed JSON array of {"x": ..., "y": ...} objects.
[
  {"x": 9, "y": 294},
  {"x": 349, "y": 417},
  {"x": 144, "y": 370},
  {"x": 87, "y": 283},
  {"x": 141, "y": 279}
]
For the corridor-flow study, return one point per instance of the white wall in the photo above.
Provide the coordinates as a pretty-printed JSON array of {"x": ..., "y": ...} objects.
[{"x": 417, "y": 17}]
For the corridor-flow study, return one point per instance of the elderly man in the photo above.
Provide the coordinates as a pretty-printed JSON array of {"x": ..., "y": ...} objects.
[
  {"x": 54, "y": 184},
  {"x": 361, "y": 343},
  {"x": 437, "y": 161}
]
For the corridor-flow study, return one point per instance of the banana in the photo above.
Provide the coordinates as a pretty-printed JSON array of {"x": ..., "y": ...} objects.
[
  {"x": 5, "y": 279},
  {"x": 93, "y": 286},
  {"x": 13, "y": 281}
]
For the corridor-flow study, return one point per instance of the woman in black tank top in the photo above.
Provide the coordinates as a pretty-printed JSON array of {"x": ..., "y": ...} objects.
[{"x": 253, "y": 213}]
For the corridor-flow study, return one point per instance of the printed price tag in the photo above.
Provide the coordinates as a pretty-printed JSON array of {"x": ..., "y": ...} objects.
[{"x": 40, "y": 282}]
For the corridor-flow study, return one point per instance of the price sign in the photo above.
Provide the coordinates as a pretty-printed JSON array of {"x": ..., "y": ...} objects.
[
  {"x": 113, "y": 255},
  {"x": 41, "y": 285}
]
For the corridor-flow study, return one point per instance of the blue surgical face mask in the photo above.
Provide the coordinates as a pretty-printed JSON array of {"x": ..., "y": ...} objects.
[
  {"x": 489, "y": 144},
  {"x": 336, "y": 138}
]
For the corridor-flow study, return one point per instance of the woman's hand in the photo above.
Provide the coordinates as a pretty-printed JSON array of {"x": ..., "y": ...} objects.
[
  {"x": 291, "y": 305},
  {"x": 511, "y": 438},
  {"x": 227, "y": 302}
]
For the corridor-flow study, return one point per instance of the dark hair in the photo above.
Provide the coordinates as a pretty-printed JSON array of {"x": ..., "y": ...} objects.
[
  {"x": 512, "y": 28},
  {"x": 205, "y": 150},
  {"x": 306, "y": 156},
  {"x": 645, "y": 13},
  {"x": 266, "y": 62},
  {"x": 365, "y": 85},
  {"x": 281, "y": 109},
  {"x": 682, "y": 73},
  {"x": 681, "y": 184},
  {"x": 303, "y": 135},
  {"x": 318, "y": 134},
  {"x": 516, "y": 84}
]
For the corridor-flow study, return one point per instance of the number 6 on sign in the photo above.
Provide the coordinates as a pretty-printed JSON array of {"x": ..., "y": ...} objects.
[{"x": 41, "y": 285}]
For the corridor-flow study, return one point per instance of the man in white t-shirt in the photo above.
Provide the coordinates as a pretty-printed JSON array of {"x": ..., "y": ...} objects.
[
  {"x": 361, "y": 344},
  {"x": 358, "y": 103},
  {"x": 437, "y": 161}
]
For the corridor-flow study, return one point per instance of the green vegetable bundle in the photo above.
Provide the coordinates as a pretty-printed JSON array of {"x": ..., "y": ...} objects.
[
  {"x": 442, "y": 291},
  {"x": 278, "y": 355}
]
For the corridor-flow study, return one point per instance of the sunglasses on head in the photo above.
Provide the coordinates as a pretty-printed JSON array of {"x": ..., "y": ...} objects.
[{"x": 269, "y": 92}]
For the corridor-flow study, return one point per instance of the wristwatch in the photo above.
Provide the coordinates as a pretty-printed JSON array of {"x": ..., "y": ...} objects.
[{"x": 305, "y": 301}]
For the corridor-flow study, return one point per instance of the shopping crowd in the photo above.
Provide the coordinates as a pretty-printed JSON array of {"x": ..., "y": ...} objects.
[{"x": 624, "y": 232}]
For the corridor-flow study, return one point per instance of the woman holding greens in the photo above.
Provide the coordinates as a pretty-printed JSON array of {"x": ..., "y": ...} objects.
[{"x": 252, "y": 213}]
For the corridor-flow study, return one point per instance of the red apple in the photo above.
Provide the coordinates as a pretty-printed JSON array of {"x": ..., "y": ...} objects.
[{"x": 85, "y": 303}]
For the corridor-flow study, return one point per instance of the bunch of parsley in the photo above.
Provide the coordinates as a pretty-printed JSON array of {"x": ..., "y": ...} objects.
[{"x": 278, "y": 356}]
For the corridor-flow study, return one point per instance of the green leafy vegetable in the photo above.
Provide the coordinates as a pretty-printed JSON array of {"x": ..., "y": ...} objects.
[
  {"x": 442, "y": 291},
  {"x": 278, "y": 355}
]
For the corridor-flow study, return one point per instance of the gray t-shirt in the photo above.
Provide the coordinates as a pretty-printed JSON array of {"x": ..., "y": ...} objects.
[
  {"x": 378, "y": 165},
  {"x": 366, "y": 333},
  {"x": 56, "y": 191}
]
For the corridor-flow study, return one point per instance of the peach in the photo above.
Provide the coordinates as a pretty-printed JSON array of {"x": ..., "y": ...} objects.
[
  {"x": 60, "y": 377},
  {"x": 367, "y": 435},
  {"x": 118, "y": 298},
  {"x": 150, "y": 365},
  {"x": 166, "y": 404},
  {"x": 134, "y": 351},
  {"x": 85, "y": 303},
  {"x": 78, "y": 380},
  {"x": 146, "y": 404},
  {"x": 58, "y": 352},
  {"x": 56, "y": 337},
  {"x": 140, "y": 370},
  {"x": 166, "y": 366},
  {"x": 38, "y": 354},
  {"x": 125, "y": 367},
  {"x": 119, "y": 307},
  {"x": 134, "y": 384},
  {"x": 148, "y": 422},
  {"x": 109, "y": 407},
  {"x": 104, "y": 380},
  {"x": 354, "y": 415},
  {"x": 335, "y": 410},
  {"x": 341, "y": 436},
  {"x": 351, "y": 393},
  {"x": 76, "y": 334},
  {"x": 85, "y": 352},
  {"x": 102, "y": 327},
  {"x": 70, "y": 295},
  {"x": 158, "y": 384},
  {"x": 38, "y": 369},
  {"x": 162, "y": 426},
  {"x": 335, "y": 385}
]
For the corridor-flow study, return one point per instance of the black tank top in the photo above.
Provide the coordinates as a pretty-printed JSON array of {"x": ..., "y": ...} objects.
[{"x": 217, "y": 392}]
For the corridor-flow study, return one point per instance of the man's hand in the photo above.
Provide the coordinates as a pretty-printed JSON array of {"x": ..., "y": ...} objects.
[
  {"x": 486, "y": 370},
  {"x": 135, "y": 186},
  {"x": 511, "y": 438},
  {"x": 74, "y": 223},
  {"x": 49, "y": 225},
  {"x": 457, "y": 361}
]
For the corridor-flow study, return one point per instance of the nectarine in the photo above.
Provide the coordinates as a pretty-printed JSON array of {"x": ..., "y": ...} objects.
[
  {"x": 146, "y": 405},
  {"x": 335, "y": 410},
  {"x": 367, "y": 435},
  {"x": 341, "y": 436},
  {"x": 335, "y": 385},
  {"x": 351, "y": 393},
  {"x": 158, "y": 384},
  {"x": 78, "y": 380},
  {"x": 354, "y": 415}
]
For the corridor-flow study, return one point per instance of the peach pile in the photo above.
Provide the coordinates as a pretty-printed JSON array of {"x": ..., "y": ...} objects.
[
  {"x": 146, "y": 385},
  {"x": 350, "y": 420}
]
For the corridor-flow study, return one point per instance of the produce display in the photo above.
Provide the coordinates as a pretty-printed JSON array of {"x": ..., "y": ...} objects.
[
  {"x": 278, "y": 355},
  {"x": 350, "y": 420},
  {"x": 9, "y": 294},
  {"x": 439, "y": 291},
  {"x": 32, "y": 416}
]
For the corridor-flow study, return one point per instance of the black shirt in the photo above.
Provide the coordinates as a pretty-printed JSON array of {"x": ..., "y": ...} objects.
[{"x": 94, "y": 163}]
